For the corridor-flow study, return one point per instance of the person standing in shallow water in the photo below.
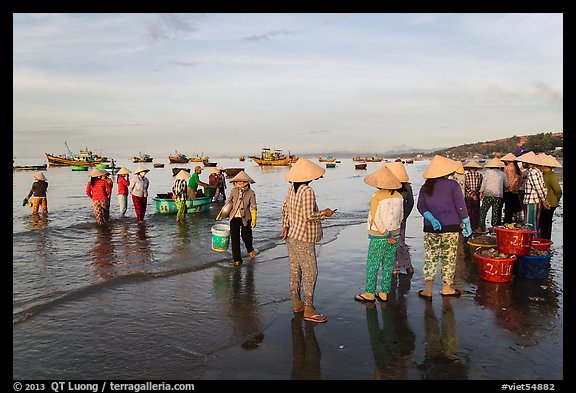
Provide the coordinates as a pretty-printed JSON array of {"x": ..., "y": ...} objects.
[
  {"x": 302, "y": 229},
  {"x": 38, "y": 190},
  {"x": 180, "y": 193},
  {"x": 123, "y": 181},
  {"x": 242, "y": 215},
  {"x": 138, "y": 188},
  {"x": 384, "y": 222},
  {"x": 441, "y": 203},
  {"x": 99, "y": 191}
]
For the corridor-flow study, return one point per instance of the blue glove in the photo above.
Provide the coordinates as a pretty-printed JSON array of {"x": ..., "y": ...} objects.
[
  {"x": 435, "y": 223},
  {"x": 467, "y": 230}
]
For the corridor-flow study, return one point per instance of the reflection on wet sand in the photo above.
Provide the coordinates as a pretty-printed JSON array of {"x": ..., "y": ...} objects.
[
  {"x": 392, "y": 344},
  {"x": 235, "y": 289},
  {"x": 104, "y": 255},
  {"x": 39, "y": 222},
  {"x": 441, "y": 348},
  {"x": 305, "y": 349}
]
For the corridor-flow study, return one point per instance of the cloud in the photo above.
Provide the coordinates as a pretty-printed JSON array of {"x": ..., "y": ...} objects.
[
  {"x": 267, "y": 36},
  {"x": 167, "y": 27},
  {"x": 554, "y": 96}
]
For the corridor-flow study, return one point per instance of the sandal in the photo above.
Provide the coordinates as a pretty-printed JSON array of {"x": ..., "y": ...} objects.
[
  {"x": 380, "y": 298},
  {"x": 360, "y": 298},
  {"x": 421, "y": 294},
  {"x": 456, "y": 293},
  {"x": 318, "y": 318}
]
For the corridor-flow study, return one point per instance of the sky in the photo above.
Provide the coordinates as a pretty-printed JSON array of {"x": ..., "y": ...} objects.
[{"x": 230, "y": 84}]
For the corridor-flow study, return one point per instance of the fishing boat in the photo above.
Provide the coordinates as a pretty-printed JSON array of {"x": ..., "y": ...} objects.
[
  {"x": 330, "y": 165},
  {"x": 102, "y": 166},
  {"x": 158, "y": 165},
  {"x": 167, "y": 205},
  {"x": 143, "y": 158},
  {"x": 360, "y": 165},
  {"x": 328, "y": 158},
  {"x": 79, "y": 168},
  {"x": 178, "y": 158},
  {"x": 373, "y": 159},
  {"x": 358, "y": 158},
  {"x": 210, "y": 164},
  {"x": 85, "y": 158},
  {"x": 176, "y": 170},
  {"x": 242, "y": 158},
  {"x": 275, "y": 158},
  {"x": 198, "y": 158},
  {"x": 29, "y": 167},
  {"x": 231, "y": 172}
]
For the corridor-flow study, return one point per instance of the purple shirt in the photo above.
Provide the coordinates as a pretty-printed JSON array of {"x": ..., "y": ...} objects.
[{"x": 446, "y": 204}]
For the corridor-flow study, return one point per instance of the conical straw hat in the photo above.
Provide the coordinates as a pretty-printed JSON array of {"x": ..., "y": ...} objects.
[
  {"x": 472, "y": 164},
  {"x": 304, "y": 170},
  {"x": 508, "y": 157},
  {"x": 185, "y": 175},
  {"x": 383, "y": 178},
  {"x": 214, "y": 170},
  {"x": 39, "y": 176},
  {"x": 398, "y": 170},
  {"x": 529, "y": 158},
  {"x": 141, "y": 169},
  {"x": 242, "y": 176},
  {"x": 495, "y": 163},
  {"x": 550, "y": 161},
  {"x": 440, "y": 166},
  {"x": 97, "y": 172},
  {"x": 123, "y": 171},
  {"x": 460, "y": 168}
]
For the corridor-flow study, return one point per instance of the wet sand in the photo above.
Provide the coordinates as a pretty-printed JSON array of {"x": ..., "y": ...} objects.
[{"x": 495, "y": 331}]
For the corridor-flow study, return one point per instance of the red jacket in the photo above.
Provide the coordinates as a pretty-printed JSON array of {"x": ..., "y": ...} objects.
[
  {"x": 122, "y": 185},
  {"x": 100, "y": 191}
]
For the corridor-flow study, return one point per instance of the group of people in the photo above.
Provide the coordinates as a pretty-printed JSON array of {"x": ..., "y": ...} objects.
[
  {"x": 454, "y": 198},
  {"x": 524, "y": 188}
]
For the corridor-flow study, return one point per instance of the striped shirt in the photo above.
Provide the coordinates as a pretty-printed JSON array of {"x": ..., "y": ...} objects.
[
  {"x": 180, "y": 189},
  {"x": 301, "y": 216},
  {"x": 535, "y": 189},
  {"x": 472, "y": 183}
]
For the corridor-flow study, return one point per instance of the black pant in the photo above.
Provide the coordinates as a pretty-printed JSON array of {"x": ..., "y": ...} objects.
[
  {"x": 545, "y": 223},
  {"x": 511, "y": 205},
  {"x": 237, "y": 228}
]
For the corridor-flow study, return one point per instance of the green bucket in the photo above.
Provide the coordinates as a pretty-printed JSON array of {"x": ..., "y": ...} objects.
[
  {"x": 209, "y": 192},
  {"x": 220, "y": 237}
]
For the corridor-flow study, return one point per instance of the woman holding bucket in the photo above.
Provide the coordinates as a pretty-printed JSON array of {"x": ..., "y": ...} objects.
[
  {"x": 242, "y": 215},
  {"x": 301, "y": 228},
  {"x": 442, "y": 205}
]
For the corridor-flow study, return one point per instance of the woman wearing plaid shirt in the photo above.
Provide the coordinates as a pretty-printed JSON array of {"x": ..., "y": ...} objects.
[
  {"x": 534, "y": 190},
  {"x": 472, "y": 183},
  {"x": 301, "y": 228}
]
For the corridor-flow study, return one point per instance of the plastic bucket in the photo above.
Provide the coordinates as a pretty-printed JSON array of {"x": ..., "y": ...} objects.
[
  {"x": 542, "y": 244},
  {"x": 209, "y": 192},
  {"x": 495, "y": 269},
  {"x": 532, "y": 267},
  {"x": 514, "y": 241},
  {"x": 220, "y": 237},
  {"x": 478, "y": 246}
]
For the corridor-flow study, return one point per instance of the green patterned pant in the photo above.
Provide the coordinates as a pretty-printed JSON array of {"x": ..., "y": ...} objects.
[
  {"x": 495, "y": 203},
  {"x": 380, "y": 253},
  {"x": 440, "y": 247},
  {"x": 181, "y": 209}
]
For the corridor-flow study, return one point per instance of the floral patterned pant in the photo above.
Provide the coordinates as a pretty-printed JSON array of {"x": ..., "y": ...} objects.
[
  {"x": 303, "y": 269},
  {"x": 440, "y": 247},
  {"x": 100, "y": 212},
  {"x": 495, "y": 203},
  {"x": 380, "y": 253},
  {"x": 37, "y": 202}
]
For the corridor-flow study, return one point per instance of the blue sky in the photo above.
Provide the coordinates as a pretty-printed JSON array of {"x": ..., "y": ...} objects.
[{"x": 228, "y": 84}]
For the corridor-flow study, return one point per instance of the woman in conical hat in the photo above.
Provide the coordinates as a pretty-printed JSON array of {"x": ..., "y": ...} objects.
[
  {"x": 123, "y": 181},
  {"x": 472, "y": 182},
  {"x": 535, "y": 191},
  {"x": 38, "y": 190},
  {"x": 492, "y": 192},
  {"x": 384, "y": 222},
  {"x": 442, "y": 205},
  {"x": 138, "y": 188},
  {"x": 302, "y": 229},
  {"x": 512, "y": 204},
  {"x": 180, "y": 193},
  {"x": 553, "y": 194},
  {"x": 403, "y": 262},
  {"x": 242, "y": 216},
  {"x": 98, "y": 190}
]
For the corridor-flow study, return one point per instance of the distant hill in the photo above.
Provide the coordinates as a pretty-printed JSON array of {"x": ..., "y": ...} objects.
[{"x": 551, "y": 143}]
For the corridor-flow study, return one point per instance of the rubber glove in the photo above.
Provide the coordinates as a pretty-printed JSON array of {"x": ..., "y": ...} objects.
[
  {"x": 253, "y": 224},
  {"x": 435, "y": 223},
  {"x": 467, "y": 230},
  {"x": 219, "y": 216}
]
